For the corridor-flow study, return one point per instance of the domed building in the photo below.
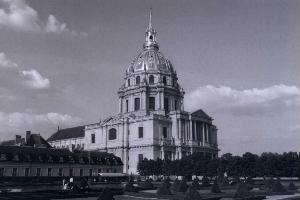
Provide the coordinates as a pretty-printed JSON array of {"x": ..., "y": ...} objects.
[{"x": 151, "y": 122}]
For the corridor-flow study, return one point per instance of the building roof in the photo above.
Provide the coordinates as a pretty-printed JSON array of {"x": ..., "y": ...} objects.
[
  {"x": 35, "y": 140},
  {"x": 8, "y": 143},
  {"x": 68, "y": 133},
  {"x": 150, "y": 58},
  {"x": 202, "y": 114},
  {"x": 52, "y": 155}
]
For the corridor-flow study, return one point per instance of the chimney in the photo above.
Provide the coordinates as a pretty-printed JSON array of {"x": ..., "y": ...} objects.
[
  {"x": 28, "y": 134},
  {"x": 18, "y": 140}
]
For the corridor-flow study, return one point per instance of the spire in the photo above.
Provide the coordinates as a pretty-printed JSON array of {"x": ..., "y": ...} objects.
[
  {"x": 150, "y": 35},
  {"x": 150, "y": 20}
]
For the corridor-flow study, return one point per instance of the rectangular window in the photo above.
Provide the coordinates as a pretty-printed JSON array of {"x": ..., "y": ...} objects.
[
  {"x": 151, "y": 103},
  {"x": 165, "y": 132},
  {"x": 140, "y": 157},
  {"x": 1, "y": 172},
  {"x": 141, "y": 132},
  {"x": 38, "y": 171},
  {"x": 114, "y": 171},
  {"x": 60, "y": 172},
  {"x": 15, "y": 172},
  {"x": 137, "y": 104},
  {"x": 71, "y": 172},
  {"x": 91, "y": 172},
  {"x": 175, "y": 104},
  {"x": 26, "y": 172},
  {"x": 166, "y": 104},
  {"x": 81, "y": 172},
  {"x": 49, "y": 172},
  {"x": 93, "y": 138},
  {"x": 127, "y": 105}
]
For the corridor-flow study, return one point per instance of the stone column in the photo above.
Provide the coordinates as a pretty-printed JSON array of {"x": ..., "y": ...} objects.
[
  {"x": 159, "y": 100},
  {"x": 203, "y": 133},
  {"x": 162, "y": 153},
  {"x": 120, "y": 105},
  {"x": 191, "y": 130},
  {"x": 131, "y": 104},
  {"x": 143, "y": 101},
  {"x": 188, "y": 129},
  {"x": 162, "y": 100},
  {"x": 179, "y": 127},
  {"x": 195, "y": 130},
  {"x": 207, "y": 133},
  {"x": 126, "y": 146}
]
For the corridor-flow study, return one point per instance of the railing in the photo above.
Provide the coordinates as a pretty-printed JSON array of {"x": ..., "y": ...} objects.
[{"x": 167, "y": 142}]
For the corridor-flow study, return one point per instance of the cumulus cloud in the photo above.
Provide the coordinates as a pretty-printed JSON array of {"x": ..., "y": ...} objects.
[
  {"x": 54, "y": 26},
  {"x": 16, "y": 14},
  {"x": 5, "y": 62},
  {"x": 35, "y": 80},
  {"x": 18, "y": 122},
  {"x": 31, "y": 78},
  {"x": 248, "y": 101}
]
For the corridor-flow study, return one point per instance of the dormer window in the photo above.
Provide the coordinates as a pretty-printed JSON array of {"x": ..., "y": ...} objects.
[
  {"x": 16, "y": 157},
  {"x": 137, "y": 80},
  {"x": 50, "y": 159},
  {"x": 164, "y": 80},
  {"x": 151, "y": 37},
  {"x": 128, "y": 82},
  {"x": 151, "y": 79},
  {"x": 3, "y": 156}
]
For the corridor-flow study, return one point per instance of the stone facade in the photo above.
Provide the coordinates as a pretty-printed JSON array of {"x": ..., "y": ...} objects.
[
  {"x": 151, "y": 122},
  {"x": 70, "y": 138},
  {"x": 36, "y": 161}
]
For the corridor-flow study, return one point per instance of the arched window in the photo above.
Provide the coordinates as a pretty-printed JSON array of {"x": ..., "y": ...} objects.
[
  {"x": 164, "y": 80},
  {"x": 151, "y": 79},
  {"x": 112, "y": 134},
  {"x": 128, "y": 82},
  {"x": 137, "y": 80}
]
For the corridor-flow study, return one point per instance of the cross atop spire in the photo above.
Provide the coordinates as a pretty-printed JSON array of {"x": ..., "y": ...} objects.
[
  {"x": 150, "y": 35},
  {"x": 150, "y": 20}
]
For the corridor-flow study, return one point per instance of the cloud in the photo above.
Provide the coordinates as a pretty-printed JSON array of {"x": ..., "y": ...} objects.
[
  {"x": 18, "y": 122},
  {"x": 248, "y": 102},
  {"x": 295, "y": 128},
  {"x": 19, "y": 16},
  {"x": 54, "y": 26},
  {"x": 30, "y": 78},
  {"x": 35, "y": 80},
  {"x": 5, "y": 62}
]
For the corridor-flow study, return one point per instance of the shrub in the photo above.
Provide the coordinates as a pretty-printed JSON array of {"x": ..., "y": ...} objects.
[
  {"x": 183, "y": 186},
  {"x": 195, "y": 183},
  {"x": 292, "y": 186},
  {"x": 129, "y": 187},
  {"x": 106, "y": 194},
  {"x": 278, "y": 187},
  {"x": 205, "y": 181},
  {"x": 175, "y": 185},
  {"x": 163, "y": 189},
  {"x": 215, "y": 188},
  {"x": 192, "y": 194},
  {"x": 243, "y": 192}
]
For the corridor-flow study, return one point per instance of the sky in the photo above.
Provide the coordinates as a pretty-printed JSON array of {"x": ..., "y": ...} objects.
[{"x": 62, "y": 62}]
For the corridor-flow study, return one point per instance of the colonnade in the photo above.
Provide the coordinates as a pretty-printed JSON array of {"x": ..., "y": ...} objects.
[{"x": 193, "y": 130}]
